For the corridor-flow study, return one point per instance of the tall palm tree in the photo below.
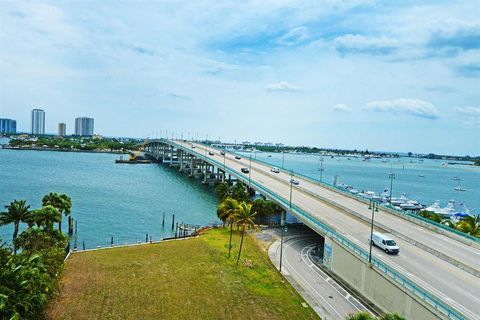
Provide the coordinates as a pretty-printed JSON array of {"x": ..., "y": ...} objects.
[
  {"x": 244, "y": 218},
  {"x": 61, "y": 202},
  {"x": 17, "y": 211},
  {"x": 228, "y": 211},
  {"x": 223, "y": 190},
  {"x": 470, "y": 225}
]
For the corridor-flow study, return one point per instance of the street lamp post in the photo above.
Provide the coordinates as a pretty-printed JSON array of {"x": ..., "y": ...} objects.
[
  {"x": 282, "y": 222},
  {"x": 250, "y": 170},
  {"x": 391, "y": 175},
  {"x": 283, "y": 158},
  {"x": 374, "y": 207}
]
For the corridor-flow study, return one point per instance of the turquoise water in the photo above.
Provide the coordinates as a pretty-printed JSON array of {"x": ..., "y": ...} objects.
[
  {"x": 372, "y": 175},
  {"x": 123, "y": 201}
]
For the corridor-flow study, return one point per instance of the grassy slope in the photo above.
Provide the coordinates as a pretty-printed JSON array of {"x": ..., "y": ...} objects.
[{"x": 190, "y": 279}]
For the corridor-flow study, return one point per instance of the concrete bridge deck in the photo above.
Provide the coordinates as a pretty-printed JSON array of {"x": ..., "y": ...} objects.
[{"x": 457, "y": 286}]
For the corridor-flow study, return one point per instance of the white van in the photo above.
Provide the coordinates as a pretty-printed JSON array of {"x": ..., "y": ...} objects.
[
  {"x": 385, "y": 243},
  {"x": 275, "y": 170}
]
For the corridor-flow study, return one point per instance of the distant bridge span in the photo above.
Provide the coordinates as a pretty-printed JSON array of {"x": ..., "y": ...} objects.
[{"x": 435, "y": 276}]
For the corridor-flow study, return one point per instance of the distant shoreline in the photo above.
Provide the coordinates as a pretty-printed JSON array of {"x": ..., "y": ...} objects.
[{"x": 61, "y": 150}]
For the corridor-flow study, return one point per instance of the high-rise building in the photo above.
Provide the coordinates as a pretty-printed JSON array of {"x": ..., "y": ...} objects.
[
  {"x": 8, "y": 126},
  {"x": 38, "y": 121},
  {"x": 62, "y": 129},
  {"x": 84, "y": 126}
]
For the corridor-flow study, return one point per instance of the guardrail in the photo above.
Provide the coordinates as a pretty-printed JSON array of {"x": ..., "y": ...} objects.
[
  {"x": 381, "y": 266},
  {"x": 365, "y": 199}
]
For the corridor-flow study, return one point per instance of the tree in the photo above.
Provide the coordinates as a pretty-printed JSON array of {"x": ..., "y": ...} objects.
[
  {"x": 244, "y": 218},
  {"x": 25, "y": 286},
  {"x": 368, "y": 316},
  {"x": 239, "y": 192},
  {"x": 61, "y": 202},
  {"x": 470, "y": 225},
  {"x": 46, "y": 217},
  {"x": 17, "y": 211},
  {"x": 228, "y": 211},
  {"x": 223, "y": 190}
]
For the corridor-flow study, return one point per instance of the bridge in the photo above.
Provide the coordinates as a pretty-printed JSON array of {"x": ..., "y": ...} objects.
[{"x": 435, "y": 276}]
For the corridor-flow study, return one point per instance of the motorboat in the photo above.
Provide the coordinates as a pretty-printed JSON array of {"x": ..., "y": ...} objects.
[
  {"x": 458, "y": 188},
  {"x": 421, "y": 176},
  {"x": 456, "y": 178}
]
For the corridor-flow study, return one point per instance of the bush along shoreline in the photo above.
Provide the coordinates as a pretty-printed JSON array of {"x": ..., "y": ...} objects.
[{"x": 30, "y": 266}]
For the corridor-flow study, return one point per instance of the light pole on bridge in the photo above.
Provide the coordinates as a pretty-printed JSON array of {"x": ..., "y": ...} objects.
[
  {"x": 250, "y": 171},
  {"x": 283, "y": 221},
  {"x": 374, "y": 207}
]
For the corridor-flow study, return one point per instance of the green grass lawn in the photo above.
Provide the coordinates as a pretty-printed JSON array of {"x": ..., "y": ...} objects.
[{"x": 187, "y": 279}]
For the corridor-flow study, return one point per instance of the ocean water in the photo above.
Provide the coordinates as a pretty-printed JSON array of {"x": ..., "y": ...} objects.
[
  {"x": 123, "y": 201},
  {"x": 372, "y": 175}
]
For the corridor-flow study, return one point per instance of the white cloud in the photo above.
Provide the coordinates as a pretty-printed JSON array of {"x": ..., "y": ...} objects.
[
  {"x": 282, "y": 86},
  {"x": 473, "y": 115},
  {"x": 295, "y": 36},
  {"x": 355, "y": 43},
  {"x": 342, "y": 108},
  {"x": 414, "y": 107}
]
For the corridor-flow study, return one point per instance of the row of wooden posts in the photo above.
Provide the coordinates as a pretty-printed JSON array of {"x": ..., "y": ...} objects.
[{"x": 181, "y": 230}]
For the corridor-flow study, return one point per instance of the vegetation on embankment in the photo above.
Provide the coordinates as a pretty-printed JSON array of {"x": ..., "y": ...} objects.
[
  {"x": 76, "y": 143},
  {"x": 182, "y": 279},
  {"x": 468, "y": 224},
  {"x": 29, "y": 269}
]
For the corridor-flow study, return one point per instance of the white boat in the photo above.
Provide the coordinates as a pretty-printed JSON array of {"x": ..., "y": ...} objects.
[
  {"x": 421, "y": 176},
  {"x": 456, "y": 178},
  {"x": 458, "y": 188},
  {"x": 446, "y": 212}
]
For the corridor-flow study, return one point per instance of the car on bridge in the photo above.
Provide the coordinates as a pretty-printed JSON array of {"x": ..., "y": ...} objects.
[
  {"x": 295, "y": 182},
  {"x": 222, "y": 153},
  {"x": 275, "y": 170},
  {"x": 244, "y": 170},
  {"x": 385, "y": 243},
  {"x": 237, "y": 157},
  {"x": 210, "y": 153}
]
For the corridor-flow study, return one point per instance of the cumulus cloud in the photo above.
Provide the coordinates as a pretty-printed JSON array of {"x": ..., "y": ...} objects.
[
  {"x": 282, "y": 86},
  {"x": 456, "y": 34},
  {"x": 340, "y": 107},
  {"x": 355, "y": 43},
  {"x": 472, "y": 114},
  {"x": 414, "y": 107}
]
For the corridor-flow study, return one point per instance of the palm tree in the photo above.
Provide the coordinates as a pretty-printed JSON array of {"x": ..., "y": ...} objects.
[
  {"x": 223, "y": 190},
  {"x": 228, "y": 211},
  {"x": 470, "y": 225},
  {"x": 47, "y": 216},
  {"x": 17, "y": 211},
  {"x": 61, "y": 202},
  {"x": 244, "y": 218}
]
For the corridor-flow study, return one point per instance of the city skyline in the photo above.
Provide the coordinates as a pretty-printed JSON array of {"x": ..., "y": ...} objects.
[{"x": 355, "y": 75}]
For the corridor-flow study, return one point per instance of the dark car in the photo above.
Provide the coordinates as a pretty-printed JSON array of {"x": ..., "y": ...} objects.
[
  {"x": 244, "y": 170},
  {"x": 210, "y": 153},
  {"x": 237, "y": 157},
  {"x": 222, "y": 153}
]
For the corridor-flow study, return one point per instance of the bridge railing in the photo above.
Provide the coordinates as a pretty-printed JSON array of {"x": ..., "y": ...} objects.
[
  {"x": 379, "y": 265},
  {"x": 364, "y": 199}
]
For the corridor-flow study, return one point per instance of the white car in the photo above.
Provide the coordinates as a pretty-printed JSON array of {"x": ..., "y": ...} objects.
[
  {"x": 295, "y": 182},
  {"x": 275, "y": 170},
  {"x": 385, "y": 243}
]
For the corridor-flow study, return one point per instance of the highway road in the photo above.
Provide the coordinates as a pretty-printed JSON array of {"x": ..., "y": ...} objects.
[
  {"x": 326, "y": 296},
  {"x": 448, "y": 282}
]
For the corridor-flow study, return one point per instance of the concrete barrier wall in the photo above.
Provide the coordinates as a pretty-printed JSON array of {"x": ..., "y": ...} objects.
[{"x": 385, "y": 294}]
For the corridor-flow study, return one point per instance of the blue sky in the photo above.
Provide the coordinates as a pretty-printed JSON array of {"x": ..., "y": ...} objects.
[{"x": 364, "y": 74}]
